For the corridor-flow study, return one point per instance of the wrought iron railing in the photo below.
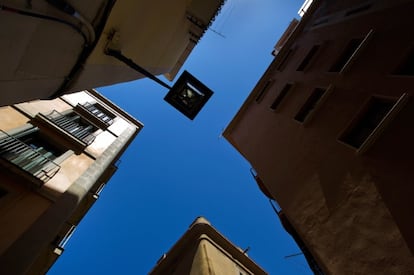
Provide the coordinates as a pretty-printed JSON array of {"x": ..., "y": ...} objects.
[
  {"x": 35, "y": 161},
  {"x": 73, "y": 125},
  {"x": 98, "y": 113}
]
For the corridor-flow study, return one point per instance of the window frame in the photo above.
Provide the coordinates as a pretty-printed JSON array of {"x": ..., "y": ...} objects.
[
  {"x": 284, "y": 59},
  {"x": 280, "y": 97},
  {"x": 263, "y": 90},
  {"x": 81, "y": 109},
  {"x": 44, "y": 122},
  {"x": 309, "y": 58},
  {"x": 17, "y": 169},
  {"x": 378, "y": 130},
  {"x": 357, "y": 10},
  {"x": 355, "y": 54},
  {"x": 316, "y": 106}
]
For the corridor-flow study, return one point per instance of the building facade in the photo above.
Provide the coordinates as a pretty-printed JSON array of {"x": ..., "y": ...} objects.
[
  {"x": 202, "y": 250},
  {"x": 53, "y": 47},
  {"x": 329, "y": 130},
  {"x": 56, "y": 156}
]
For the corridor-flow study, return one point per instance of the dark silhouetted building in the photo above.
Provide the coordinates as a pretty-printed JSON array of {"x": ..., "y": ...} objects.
[{"x": 329, "y": 130}]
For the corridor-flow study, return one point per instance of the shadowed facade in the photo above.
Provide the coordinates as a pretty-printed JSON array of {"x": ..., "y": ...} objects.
[{"x": 328, "y": 128}]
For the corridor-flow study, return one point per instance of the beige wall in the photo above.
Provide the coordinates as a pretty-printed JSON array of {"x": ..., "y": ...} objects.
[
  {"x": 26, "y": 211},
  {"x": 70, "y": 170},
  {"x": 203, "y": 250},
  {"x": 153, "y": 33},
  {"x": 10, "y": 118},
  {"x": 45, "y": 107},
  {"x": 210, "y": 258}
]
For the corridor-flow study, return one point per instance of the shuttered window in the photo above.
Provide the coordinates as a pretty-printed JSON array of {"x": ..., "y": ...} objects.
[
  {"x": 28, "y": 152},
  {"x": 100, "y": 113},
  {"x": 74, "y": 125}
]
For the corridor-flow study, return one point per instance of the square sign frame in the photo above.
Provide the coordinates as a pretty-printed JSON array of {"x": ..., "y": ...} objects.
[{"x": 188, "y": 95}]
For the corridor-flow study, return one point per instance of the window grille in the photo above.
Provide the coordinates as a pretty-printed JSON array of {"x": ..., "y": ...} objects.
[
  {"x": 99, "y": 113},
  {"x": 35, "y": 160},
  {"x": 74, "y": 125}
]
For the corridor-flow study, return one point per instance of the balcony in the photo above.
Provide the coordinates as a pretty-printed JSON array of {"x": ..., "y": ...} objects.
[
  {"x": 36, "y": 161},
  {"x": 96, "y": 114},
  {"x": 74, "y": 125}
]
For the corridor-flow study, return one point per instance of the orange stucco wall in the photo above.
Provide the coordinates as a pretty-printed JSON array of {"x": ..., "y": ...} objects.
[
  {"x": 43, "y": 106},
  {"x": 10, "y": 118}
]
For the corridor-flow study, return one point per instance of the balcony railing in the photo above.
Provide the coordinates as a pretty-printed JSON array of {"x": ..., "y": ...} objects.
[
  {"x": 94, "y": 110},
  {"x": 35, "y": 161},
  {"x": 72, "y": 124}
]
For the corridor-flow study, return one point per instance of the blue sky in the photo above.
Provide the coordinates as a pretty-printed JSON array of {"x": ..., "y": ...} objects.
[{"x": 177, "y": 169}]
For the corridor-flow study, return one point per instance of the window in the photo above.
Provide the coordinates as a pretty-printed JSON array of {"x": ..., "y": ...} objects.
[
  {"x": 346, "y": 55},
  {"x": 407, "y": 67},
  {"x": 359, "y": 9},
  {"x": 310, "y": 104},
  {"x": 321, "y": 21},
  {"x": 263, "y": 90},
  {"x": 284, "y": 59},
  {"x": 281, "y": 96},
  {"x": 96, "y": 113},
  {"x": 100, "y": 113},
  {"x": 308, "y": 58},
  {"x": 371, "y": 121},
  {"x": 29, "y": 152},
  {"x": 75, "y": 125},
  {"x": 3, "y": 192},
  {"x": 352, "y": 49}
]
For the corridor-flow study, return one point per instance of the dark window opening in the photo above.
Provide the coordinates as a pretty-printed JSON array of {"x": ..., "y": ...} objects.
[
  {"x": 30, "y": 152},
  {"x": 310, "y": 104},
  {"x": 283, "y": 62},
  {"x": 321, "y": 21},
  {"x": 375, "y": 111},
  {"x": 3, "y": 192},
  {"x": 346, "y": 55},
  {"x": 74, "y": 125},
  {"x": 281, "y": 96},
  {"x": 407, "y": 67},
  {"x": 358, "y": 9},
  {"x": 264, "y": 89},
  {"x": 308, "y": 58}
]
